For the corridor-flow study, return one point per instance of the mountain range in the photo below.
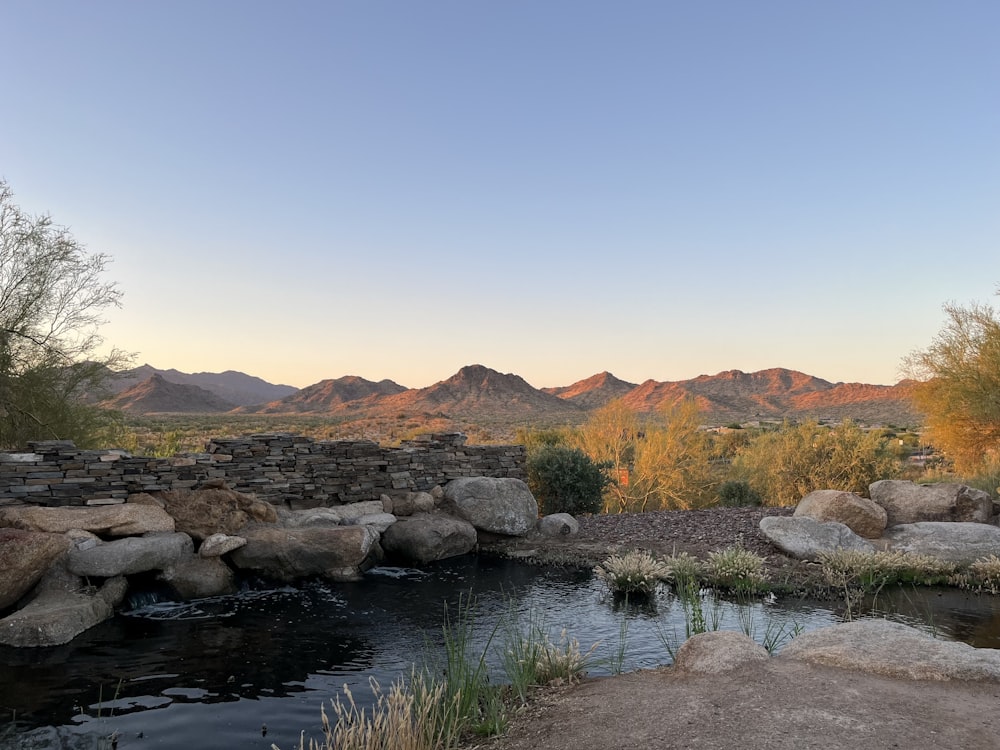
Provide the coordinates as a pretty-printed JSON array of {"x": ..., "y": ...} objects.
[{"x": 479, "y": 394}]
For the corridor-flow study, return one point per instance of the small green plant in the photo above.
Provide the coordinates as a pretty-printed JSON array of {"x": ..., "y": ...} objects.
[
  {"x": 565, "y": 480},
  {"x": 636, "y": 573},
  {"x": 738, "y": 494},
  {"x": 736, "y": 569}
]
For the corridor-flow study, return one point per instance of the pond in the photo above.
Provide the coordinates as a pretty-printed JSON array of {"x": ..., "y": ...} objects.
[{"x": 252, "y": 669}]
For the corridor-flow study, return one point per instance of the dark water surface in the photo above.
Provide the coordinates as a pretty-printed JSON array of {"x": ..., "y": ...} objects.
[{"x": 211, "y": 674}]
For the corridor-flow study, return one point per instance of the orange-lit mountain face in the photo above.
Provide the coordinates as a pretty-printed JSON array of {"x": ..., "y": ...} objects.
[{"x": 479, "y": 394}]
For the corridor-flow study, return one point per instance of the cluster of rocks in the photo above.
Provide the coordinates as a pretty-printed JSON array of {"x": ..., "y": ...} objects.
[
  {"x": 952, "y": 522},
  {"x": 67, "y": 568}
]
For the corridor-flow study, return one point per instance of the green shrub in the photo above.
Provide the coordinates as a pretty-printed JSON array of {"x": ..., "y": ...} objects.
[
  {"x": 565, "y": 480},
  {"x": 738, "y": 494}
]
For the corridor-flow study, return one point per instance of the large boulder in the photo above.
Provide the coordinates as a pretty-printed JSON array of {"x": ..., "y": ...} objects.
[
  {"x": 61, "y": 609},
  {"x": 25, "y": 556},
  {"x": 808, "y": 539},
  {"x": 425, "y": 537},
  {"x": 895, "y": 650},
  {"x": 499, "y": 506},
  {"x": 960, "y": 543},
  {"x": 864, "y": 517},
  {"x": 718, "y": 651},
  {"x": 106, "y": 520},
  {"x": 906, "y": 502},
  {"x": 134, "y": 554},
  {"x": 195, "y": 577},
  {"x": 339, "y": 552},
  {"x": 217, "y": 510}
]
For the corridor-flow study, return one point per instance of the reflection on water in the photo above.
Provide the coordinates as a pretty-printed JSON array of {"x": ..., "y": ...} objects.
[{"x": 216, "y": 672}]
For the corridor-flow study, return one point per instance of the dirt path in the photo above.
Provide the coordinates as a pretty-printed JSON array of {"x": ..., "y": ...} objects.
[{"x": 780, "y": 705}]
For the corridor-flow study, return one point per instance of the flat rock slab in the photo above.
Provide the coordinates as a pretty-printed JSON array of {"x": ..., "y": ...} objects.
[
  {"x": 111, "y": 520},
  {"x": 808, "y": 539},
  {"x": 894, "y": 650},
  {"x": 57, "y": 616},
  {"x": 778, "y": 704},
  {"x": 134, "y": 554},
  {"x": 961, "y": 543}
]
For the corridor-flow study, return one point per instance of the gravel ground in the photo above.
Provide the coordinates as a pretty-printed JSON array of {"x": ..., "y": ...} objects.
[{"x": 696, "y": 532}]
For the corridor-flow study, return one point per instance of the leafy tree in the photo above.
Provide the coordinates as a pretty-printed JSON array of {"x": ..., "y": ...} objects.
[
  {"x": 565, "y": 480},
  {"x": 959, "y": 388},
  {"x": 660, "y": 463},
  {"x": 785, "y": 465},
  {"x": 51, "y": 299}
]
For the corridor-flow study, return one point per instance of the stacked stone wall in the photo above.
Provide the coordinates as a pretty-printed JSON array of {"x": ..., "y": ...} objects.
[{"x": 290, "y": 470}]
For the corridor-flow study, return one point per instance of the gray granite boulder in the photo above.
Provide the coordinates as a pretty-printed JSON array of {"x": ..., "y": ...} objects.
[
  {"x": 195, "y": 577},
  {"x": 218, "y": 545},
  {"x": 558, "y": 524},
  {"x": 134, "y": 554},
  {"x": 378, "y": 521},
  {"x": 808, "y": 539},
  {"x": 906, "y": 502},
  {"x": 25, "y": 556},
  {"x": 960, "y": 543},
  {"x": 499, "y": 506},
  {"x": 425, "y": 537},
  {"x": 894, "y": 650},
  {"x": 201, "y": 513},
  {"x": 409, "y": 503},
  {"x": 62, "y": 608},
  {"x": 864, "y": 517},
  {"x": 338, "y": 552}
]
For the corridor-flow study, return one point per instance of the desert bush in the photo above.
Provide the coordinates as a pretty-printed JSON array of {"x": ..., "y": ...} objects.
[
  {"x": 735, "y": 569},
  {"x": 736, "y": 493},
  {"x": 786, "y": 465},
  {"x": 636, "y": 573},
  {"x": 565, "y": 480}
]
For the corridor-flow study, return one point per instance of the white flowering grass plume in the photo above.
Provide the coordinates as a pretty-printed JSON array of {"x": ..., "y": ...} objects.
[{"x": 635, "y": 573}]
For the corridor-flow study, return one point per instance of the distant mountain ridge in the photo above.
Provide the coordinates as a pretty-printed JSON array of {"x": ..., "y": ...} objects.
[
  {"x": 479, "y": 394},
  {"x": 156, "y": 394},
  {"x": 238, "y": 388}
]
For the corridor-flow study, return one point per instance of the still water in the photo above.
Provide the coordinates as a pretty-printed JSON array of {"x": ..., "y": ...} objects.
[{"x": 252, "y": 669}]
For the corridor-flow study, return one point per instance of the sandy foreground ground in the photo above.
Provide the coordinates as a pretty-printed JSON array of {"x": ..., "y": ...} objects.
[{"x": 778, "y": 704}]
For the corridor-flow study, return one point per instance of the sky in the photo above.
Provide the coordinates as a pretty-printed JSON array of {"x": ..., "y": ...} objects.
[{"x": 305, "y": 190}]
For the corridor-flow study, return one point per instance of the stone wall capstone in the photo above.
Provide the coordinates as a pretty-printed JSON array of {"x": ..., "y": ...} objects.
[{"x": 284, "y": 469}]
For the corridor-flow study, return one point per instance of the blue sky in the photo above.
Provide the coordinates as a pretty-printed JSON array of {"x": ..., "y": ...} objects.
[{"x": 307, "y": 190}]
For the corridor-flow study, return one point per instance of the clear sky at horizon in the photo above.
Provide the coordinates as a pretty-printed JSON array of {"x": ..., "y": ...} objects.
[{"x": 307, "y": 190}]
